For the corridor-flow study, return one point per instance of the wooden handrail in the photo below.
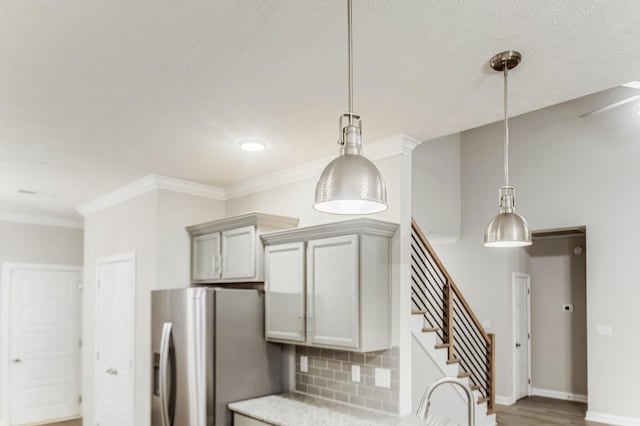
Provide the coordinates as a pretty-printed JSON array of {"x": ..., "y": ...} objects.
[
  {"x": 462, "y": 331},
  {"x": 450, "y": 281}
]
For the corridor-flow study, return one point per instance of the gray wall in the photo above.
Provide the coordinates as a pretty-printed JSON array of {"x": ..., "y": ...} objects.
[
  {"x": 21, "y": 242},
  {"x": 558, "y": 338},
  {"x": 567, "y": 172}
]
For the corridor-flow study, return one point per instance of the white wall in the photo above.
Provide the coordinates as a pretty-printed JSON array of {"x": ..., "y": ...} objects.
[
  {"x": 567, "y": 172},
  {"x": 29, "y": 243},
  {"x": 436, "y": 198},
  {"x": 151, "y": 225}
]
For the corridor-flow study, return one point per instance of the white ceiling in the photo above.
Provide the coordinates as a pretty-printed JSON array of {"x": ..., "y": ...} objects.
[{"x": 94, "y": 95}]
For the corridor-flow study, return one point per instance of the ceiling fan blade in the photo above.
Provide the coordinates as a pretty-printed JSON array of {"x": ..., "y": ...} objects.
[{"x": 611, "y": 106}]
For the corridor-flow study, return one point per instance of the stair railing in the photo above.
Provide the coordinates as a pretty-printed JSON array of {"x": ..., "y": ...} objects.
[{"x": 447, "y": 313}]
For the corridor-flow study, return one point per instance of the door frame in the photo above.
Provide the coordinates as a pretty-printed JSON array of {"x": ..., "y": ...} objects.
[
  {"x": 8, "y": 268},
  {"x": 120, "y": 257},
  {"x": 514, "y": 357}
]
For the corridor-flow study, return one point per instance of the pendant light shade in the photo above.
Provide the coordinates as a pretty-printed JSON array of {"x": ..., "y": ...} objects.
[
  {"x": 507, "y": 228},
  {"x": 351, "y": 183}
]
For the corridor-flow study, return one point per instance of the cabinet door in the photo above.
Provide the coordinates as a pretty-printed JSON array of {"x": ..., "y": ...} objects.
[
  {"x": 206, "y": 257},
  {"x": 284, "y": 292},
  {"x": 239, "y": 253},
  {"x": 333, "y": 305}
]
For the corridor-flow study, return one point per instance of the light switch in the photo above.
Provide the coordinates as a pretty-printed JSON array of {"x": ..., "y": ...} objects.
[
  {"x": 304, "y": 364},
  {"x": 604, "y": 330},
  {"x": 567, "y": 308},
  {"x": 383, "y": 378},
  {"x": 355, "y": 373}
]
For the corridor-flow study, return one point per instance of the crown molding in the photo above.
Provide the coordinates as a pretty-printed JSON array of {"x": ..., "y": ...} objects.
[
  {"x": 39, "y": 218},
  {"x": 397, "y": 145},
  {"x": 150, "y": 183}
]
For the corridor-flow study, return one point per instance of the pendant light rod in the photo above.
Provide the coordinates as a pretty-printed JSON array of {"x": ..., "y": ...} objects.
[
  {"x": 350, "y": 55},
  {"x": 506, "y": 125}
]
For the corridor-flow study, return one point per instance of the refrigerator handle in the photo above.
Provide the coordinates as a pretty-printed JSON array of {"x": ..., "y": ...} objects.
[{"x": 165, "y": 343}]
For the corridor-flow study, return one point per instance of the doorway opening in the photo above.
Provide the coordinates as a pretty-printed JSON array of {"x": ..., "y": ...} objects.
[{"x": 556, "y": 315}]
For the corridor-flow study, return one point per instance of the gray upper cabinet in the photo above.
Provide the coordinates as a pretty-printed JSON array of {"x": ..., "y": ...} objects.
[
  {"x": 330, "y": 285},
  {"x": 229, "y": 250}
]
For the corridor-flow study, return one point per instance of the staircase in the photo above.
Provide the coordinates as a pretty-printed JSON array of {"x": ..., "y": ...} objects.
[{"x": 448, "y": 330}]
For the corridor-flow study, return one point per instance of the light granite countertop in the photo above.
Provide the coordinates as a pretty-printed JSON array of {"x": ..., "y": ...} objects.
[{"x": 294, "y": 409}]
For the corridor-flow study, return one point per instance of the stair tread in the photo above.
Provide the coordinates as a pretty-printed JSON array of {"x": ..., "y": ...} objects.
[
  {"x": 483, "y": 399},
  {"x": 453, "y": 361},
  {"x": 418, "y": 312},
  {"x": 475, "y": 387},
  {"x": 442, "y": 345},
  {"x": 428, "y": 329},
  {"x": 463, "y": 374}
]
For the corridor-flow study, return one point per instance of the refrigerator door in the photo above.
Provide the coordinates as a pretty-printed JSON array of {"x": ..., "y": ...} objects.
[
  {"x": 183, "y": 357},
  {"x": 246, "y": 365}
]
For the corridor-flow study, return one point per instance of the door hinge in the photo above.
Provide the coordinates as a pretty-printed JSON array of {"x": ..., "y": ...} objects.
[
  {"x": 528, "y": 336},
  {"x": 528, "y": 291},
  {"x": 79, "y": 399},
  {"x": 79, "y": 343},
  {"x": 529, "y": 381},
  {"x": 98, "y": 356}
]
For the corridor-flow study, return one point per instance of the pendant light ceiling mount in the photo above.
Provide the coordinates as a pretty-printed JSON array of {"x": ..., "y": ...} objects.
[
  {"x": 351, "y": 183},
  {"x": 507, "y": 228},
  {"x": 510, "y": 58}
]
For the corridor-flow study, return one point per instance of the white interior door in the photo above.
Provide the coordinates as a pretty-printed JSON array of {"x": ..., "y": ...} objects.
[
  {"x": 521, "y": 334},
  {"x": 115, "y": 324},
  {"x": 44, "y": 349}
]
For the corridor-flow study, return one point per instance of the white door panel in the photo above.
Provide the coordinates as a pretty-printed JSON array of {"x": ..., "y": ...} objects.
[
  {"x": 44, "y": 343},
  {"x": 239, "y": 253},
  {"x": 284, "y": 292},
  {"x": 521, "y": 312},
  {"x": 333, "y": 291},
  {"x": 206, "y": 257},
  {"x": 115, "y": 342}
]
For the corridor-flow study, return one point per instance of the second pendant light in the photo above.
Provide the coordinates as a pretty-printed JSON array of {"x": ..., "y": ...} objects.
[{"x": 507, "y": 228}]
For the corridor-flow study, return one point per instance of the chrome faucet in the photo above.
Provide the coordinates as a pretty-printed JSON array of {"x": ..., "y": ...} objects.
[{"x": 423, "y": 408}]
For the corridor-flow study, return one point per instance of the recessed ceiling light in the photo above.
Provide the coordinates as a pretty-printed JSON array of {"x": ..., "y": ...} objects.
[{"x": 252, "y": 145}]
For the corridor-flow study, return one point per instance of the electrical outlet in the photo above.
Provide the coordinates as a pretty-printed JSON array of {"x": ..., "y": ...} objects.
[
  {"x": 383, "y": 378},
  {"x": 355, "y": 373},
  {"x": 304, "y": 364}
]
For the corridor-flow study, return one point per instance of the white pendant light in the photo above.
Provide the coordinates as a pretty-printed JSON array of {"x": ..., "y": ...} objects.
[
  {"x": 507, "y": 228},
  {"x": 350, "y": 184}
]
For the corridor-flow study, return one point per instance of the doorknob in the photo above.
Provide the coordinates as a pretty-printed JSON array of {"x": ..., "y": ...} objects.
[
  {"x": 16, "y": 360},
  {"x": 518, "y": 345}
]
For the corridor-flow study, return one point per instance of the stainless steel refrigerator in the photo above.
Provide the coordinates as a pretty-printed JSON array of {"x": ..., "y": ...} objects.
[{"x": 208, "y": 349}]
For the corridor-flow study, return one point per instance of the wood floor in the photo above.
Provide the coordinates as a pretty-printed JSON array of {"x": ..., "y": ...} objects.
[
  {"x": 77, "y": 422},
  {"x": 538, "y": 411}
]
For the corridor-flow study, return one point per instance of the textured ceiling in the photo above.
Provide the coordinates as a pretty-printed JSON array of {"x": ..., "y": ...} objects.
[{"x": 96, "y": 94}]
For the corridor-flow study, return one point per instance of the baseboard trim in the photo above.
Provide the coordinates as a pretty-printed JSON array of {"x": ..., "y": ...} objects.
[
  {"x": 505, "y": 400},
  {"x": 594, "y": 416},
  {"x": 548, "y": 393}
]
